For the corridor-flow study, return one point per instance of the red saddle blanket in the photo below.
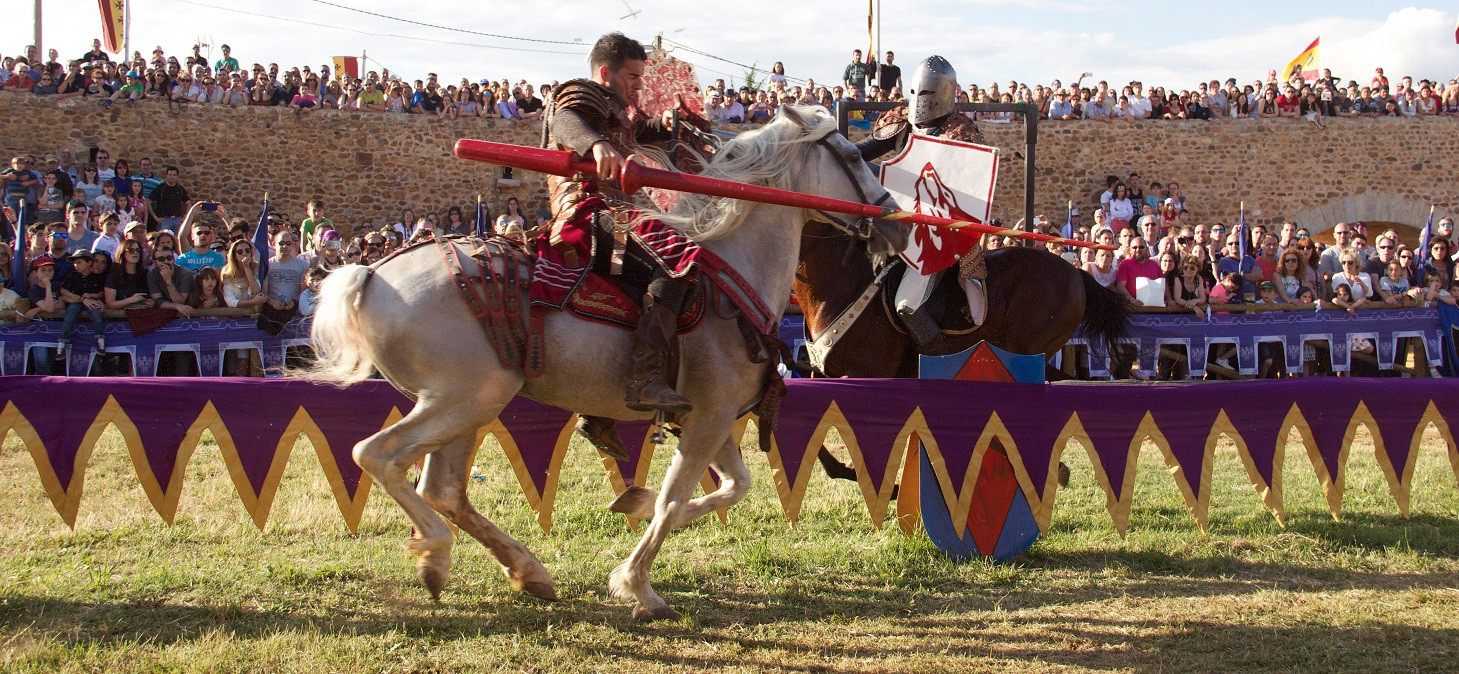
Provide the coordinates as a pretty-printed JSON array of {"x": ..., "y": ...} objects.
[{"x": 560, "y": 284}]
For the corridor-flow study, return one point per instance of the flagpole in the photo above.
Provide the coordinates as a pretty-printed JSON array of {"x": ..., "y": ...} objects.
[{"x": 39, "y": 48}]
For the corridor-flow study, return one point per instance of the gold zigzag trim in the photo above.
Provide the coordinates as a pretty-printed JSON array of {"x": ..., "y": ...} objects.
[
  {"x": 11, "y": 420},
  {"x": 902, "y": 465}
]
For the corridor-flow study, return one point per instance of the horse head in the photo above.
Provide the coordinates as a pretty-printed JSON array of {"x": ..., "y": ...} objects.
[{"x": 835, "y": 169}]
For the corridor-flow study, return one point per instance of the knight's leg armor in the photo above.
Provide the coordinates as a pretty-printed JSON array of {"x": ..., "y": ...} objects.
[
  {"x": 971, "y": 273},
  {"x": 912, "y": 293}
]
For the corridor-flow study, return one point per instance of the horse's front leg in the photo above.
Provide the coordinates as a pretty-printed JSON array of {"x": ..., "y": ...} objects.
[{"x": 701, "y": 441}]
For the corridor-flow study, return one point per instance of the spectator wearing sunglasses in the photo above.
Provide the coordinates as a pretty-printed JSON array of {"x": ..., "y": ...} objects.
[
  {"x": 285, "y": 278},
  {"x": 169, "y": 284}
]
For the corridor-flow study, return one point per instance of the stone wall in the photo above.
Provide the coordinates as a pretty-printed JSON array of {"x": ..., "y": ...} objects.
[{"x": 366, "y": 166}]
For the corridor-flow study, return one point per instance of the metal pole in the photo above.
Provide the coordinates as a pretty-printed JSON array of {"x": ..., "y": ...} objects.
[
  {"x": 1031, "y": 126},
  {"x": 127, "y": 35},
  {"x": 879, "y": 48},
  {"x": 40, "y": 49}
]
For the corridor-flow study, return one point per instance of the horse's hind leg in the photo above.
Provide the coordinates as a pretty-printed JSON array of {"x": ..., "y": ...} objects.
[
  {"x": 388, "y": 455},
  {"x": 443, "y": 486}
]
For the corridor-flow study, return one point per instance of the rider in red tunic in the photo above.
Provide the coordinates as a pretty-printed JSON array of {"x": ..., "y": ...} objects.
[{"x": 592, "y": 118}]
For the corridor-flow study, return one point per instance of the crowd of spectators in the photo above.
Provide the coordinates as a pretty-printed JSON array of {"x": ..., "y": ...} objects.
[
  {"x": 225, "y": 82},
  {"x": 96, "y": 76},
  {"x": 109, "y": 211},
  {"x": 100, "y": 236},
  {"x": 1164, "y": 260}
]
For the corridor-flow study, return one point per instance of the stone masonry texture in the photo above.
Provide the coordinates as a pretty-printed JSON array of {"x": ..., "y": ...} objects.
[{"x": 367, "y": 166}]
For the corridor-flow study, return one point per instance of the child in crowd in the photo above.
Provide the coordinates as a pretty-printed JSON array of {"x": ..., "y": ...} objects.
[
  {"x": 208, "y": 290},
  {"x": 1434, "y": 291},
  {"x": 1228, "y": 291},
  {"x": 83, "y": 290},
  {"x": 309, "y": 299},
  {"x": 1268, "y": 353},
  {"x": 1343, "y": 297}
]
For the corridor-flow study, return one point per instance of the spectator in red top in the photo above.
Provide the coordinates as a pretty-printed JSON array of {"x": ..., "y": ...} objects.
[
  {"x": 1137, "y": 266},
  {"x": 1289, "y": 104}
]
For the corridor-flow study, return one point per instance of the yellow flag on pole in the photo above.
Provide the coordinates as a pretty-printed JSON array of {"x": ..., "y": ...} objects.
[{"x": 113, "y": 24}]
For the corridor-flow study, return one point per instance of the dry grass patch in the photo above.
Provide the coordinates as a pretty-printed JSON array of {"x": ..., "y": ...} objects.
[{"x": 1372, "y": 591}]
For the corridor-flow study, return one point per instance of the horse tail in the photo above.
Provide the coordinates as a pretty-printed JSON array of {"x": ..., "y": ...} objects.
[
  {"x": 1106, "y": 314},
  {"x": 343, "y": 358}
]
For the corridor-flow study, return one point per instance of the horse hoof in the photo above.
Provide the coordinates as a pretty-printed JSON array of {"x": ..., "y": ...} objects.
[
  {"x": 434, "y": 570},
  {"x": 541, "y": 590},
  {"x": 1063, "y": 475},
  {"x": 645, "y": 614},
  {"x": 635, "y": 501},
  {"x": 434, "y": 579}
]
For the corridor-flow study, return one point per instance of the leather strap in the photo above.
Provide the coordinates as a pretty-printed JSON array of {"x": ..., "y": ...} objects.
[{"x": 820, "y": 347}]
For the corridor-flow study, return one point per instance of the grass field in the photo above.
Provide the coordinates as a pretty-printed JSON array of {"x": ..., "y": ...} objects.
[{"x": 124, "y": 592}]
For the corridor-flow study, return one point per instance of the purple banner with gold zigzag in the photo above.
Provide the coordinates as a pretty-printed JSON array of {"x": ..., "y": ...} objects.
[{"x": 256, "y": 423}]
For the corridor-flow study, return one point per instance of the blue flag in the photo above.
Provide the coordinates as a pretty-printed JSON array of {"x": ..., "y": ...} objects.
[
  {"x": 1424, "y": 238},
  {"x": 1241, "y": 238},
  {"x": 482, "y": 227},
  {"x": 18, "y": 281},
  {"x": 261, "y": 243}
]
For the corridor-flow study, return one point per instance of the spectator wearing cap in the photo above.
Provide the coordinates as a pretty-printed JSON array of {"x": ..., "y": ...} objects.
[
  {"x": 714, "y": 109},
  {"x": 83, "y": 290},
  {"x": 734, "y": 111},
  {"x": 330, "y": 254},
  {"x": 44, "y": 294}
]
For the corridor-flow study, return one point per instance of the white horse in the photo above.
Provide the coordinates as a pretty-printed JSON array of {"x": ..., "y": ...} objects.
[{"x": 405, "y": 319}]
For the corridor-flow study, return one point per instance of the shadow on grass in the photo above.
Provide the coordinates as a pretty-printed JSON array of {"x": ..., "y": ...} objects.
[{"x": 947, "y": 602}]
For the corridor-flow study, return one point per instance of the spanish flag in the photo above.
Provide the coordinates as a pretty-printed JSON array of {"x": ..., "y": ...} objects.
[
  {"x": 1305, "y": 64},
  {"x": 113, "y": 24}
]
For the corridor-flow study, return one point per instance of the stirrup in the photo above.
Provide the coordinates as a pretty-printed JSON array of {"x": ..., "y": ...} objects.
[{"x": 921, "y": 326}]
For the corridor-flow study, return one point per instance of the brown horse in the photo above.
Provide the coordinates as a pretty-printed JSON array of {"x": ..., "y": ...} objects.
[{"x": 1037, "y": 301}]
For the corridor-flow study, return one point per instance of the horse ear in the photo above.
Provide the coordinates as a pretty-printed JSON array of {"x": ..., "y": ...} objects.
[{"x": 795, "y": 116}]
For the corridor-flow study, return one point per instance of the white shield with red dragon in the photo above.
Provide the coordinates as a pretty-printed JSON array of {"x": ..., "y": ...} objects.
[{"x": 945, "y": 178}]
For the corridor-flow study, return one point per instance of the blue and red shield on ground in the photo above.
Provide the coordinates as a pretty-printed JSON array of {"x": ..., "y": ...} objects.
[{"x": 1000, "y": 524}]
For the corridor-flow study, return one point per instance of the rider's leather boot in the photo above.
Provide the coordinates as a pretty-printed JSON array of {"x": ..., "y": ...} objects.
[
  {"x": 648, "y": 386},
  {"x": 603, "y": 433}
]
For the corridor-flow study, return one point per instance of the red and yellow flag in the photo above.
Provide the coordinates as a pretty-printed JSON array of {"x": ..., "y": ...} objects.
[
  {"x": 346, "y": 67},
  {"x": 113, "y": 24},
  {"x": 1305, "y": 64}
]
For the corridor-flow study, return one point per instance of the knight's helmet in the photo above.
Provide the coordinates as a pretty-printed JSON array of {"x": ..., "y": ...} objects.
[{"x": 934, "y": 91}]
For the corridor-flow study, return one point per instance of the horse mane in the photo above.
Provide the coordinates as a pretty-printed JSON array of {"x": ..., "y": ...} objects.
[{"x": 766, "y": 156}]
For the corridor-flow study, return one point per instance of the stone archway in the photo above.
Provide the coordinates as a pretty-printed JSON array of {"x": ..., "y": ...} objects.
[{"x": 1388, "y": 209}]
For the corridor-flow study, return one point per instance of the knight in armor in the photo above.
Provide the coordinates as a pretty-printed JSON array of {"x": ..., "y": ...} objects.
[
  {"x": 931, "y": 111},
  {"x": 591, "y": 118}
]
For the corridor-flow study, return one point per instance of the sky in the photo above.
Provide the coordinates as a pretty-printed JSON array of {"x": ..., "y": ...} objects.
[{"x": 1174, "y": 44}]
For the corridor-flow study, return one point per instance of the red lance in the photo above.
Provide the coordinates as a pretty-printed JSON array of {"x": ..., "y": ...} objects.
[{"x": 635, "y": 176}]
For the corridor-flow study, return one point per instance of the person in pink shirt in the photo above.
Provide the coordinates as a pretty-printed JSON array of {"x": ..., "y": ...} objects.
[{"x": 1137, "y": 266}]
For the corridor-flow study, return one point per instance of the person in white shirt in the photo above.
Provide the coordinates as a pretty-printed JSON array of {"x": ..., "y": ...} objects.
[
  {"x": 109, "y": 240},
  {"x": 714, "y": 109}
]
